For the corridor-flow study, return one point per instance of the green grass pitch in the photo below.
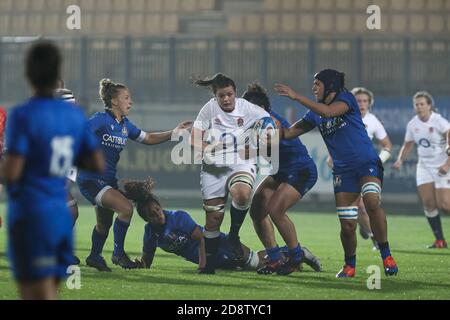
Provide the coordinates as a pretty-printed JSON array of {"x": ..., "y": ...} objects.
[{"x": 424, "y": 273}]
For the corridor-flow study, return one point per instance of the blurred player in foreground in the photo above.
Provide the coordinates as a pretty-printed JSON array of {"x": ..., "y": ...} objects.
[
  {"x": 176, "y": 232},
  {"x": 431, "y": 132},
  {"x": 45, "y": 138},
  {"x": 357, "y": 169}
]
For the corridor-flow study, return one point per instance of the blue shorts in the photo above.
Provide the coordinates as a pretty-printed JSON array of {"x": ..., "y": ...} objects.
[
  {"x": 94, "y": 189},
  {"x": 40, "y": 240},
  {"x": 301, "y": 178},
  {"x": 349, "y": 179}
]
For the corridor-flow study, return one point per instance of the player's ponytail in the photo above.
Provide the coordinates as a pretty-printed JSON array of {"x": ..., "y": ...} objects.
[
  {"x": 108, "y": 91},
  {"x": 256, "y": 94},
  {"x": 140, "y": 192},
  {"x": 218, "y": 81}
]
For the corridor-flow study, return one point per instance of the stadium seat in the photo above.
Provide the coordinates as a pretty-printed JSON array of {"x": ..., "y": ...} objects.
[
  {"x": 417, "y": 23},
  {"x": 136, "y": 25},
  {"x": 154, "y": 6},
  {"x": 188, "y": 5},
  {"x": 271, "y": 22},
  {"x": 137, "y": 6},
  {"x": 5, "y": 25},
  {"x": 435, "y": 5},
  {"x": 171, "y": 5},
  {"x": 101, "y": 23},
  {"x": 38, "y": 5},
  {"x": 307, "y": 4},
  {"x": 344, "y": 4},
  {"x": 153, "y": 23},
  {"x": 325, "y": 4},
  {"x": 271, "y": 5},
  {"x": 21, "y": 5},
  {"x": 399, "y": 4},
  {"x": 343, "y": 22},
  {"x": 289, "y": 23},
  {"x": 235, "y": 23},
  {"x": 253, "y": 23},
  {"x": 87, "y": 23},
  {"x": 206, "y": 4},
  {"x": 53, "y": 24},
  {"x": 359, "y": 23},
  {"x": 103, "y": 6},
  {"x": 6, "y": 5},
  {"x": 436, "y": 23},
  {"x": 306, "y": 22},
  {"x": 416, "y": 4},
  {"x": 35, "y": 23},
  {"x": 361, "y": 4},
  {"x": 120, "y": 6},
  {"x": 326, "y": 22},
  {"x": 398, "y": 23},
  {"x": 87, "y": 5},
  {"x": 119, "y": 23},
  {"x": 170, "y": 23},
  {"x": 289, "y": 5},
  {"x": 19, "y": 24}
]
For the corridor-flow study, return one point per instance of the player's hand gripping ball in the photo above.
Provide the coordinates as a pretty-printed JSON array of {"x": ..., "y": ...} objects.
[{"x": 263, "y": 130}]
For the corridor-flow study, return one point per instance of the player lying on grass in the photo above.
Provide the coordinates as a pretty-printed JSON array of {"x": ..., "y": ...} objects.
[{"x": 176, "y": 232}]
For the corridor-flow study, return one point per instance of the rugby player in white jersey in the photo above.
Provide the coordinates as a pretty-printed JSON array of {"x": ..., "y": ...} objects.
[
  {"x": 219, "y": 134},
  {"x": 431, "y": 133}
]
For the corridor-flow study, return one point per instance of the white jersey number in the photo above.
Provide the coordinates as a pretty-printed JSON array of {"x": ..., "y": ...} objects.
[{"x": 62, "y": 156}]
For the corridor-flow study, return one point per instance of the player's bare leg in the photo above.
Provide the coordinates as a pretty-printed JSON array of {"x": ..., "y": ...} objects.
[
  {"x": 214, "y": 209},
  {"x": 116, "y": 201},
  {"x": 364, "y": 224},
  {"x": 99, "y": 236},
  {"x": 371, "y": 190},
  {"x": 347, "y": 204},
  {"x": 45, "y": 289},
  {"x": 435, "y": 200}
]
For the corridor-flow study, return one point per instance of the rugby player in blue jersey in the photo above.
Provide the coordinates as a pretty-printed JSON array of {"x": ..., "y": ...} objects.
[
  {"x": 296, "y": 175},
  {"x": 45, "y": 137},
  {"x": 357, "y": 169},
  {"x": 112, "y": 129},
  {"x": 176, "y": 232}
]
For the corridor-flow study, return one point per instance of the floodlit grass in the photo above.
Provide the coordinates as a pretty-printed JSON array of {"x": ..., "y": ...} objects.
[{"x": 424, "y": 273}]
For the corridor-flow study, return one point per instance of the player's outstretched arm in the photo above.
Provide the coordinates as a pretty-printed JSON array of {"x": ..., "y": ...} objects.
[
  {"x": 403, "y": 154},
  {"x": 297, "y": 129},
  {"x": 328, "y": 111},
  {"x": 160, "y": 137}
]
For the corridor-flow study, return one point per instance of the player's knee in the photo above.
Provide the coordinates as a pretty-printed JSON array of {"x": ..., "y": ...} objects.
[
  {"x": 444, "y": 207},
  {"x": 348, "y": 227},
  {"x": 372, "y": 205},
  {"x": 126, "y": 210}
]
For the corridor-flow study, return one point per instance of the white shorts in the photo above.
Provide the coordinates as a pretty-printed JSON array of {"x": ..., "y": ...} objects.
[
  {"x": 72, "y": 176},
  {"x": 431, "y": 175},
  {"x": 214, "y": 180}
]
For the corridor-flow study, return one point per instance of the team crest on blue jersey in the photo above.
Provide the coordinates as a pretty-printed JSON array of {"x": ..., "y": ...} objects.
[
  {"x": 337, "y": 181},
  {"x": 240, "y": 122},
  {"x": 125, "y": 131}
]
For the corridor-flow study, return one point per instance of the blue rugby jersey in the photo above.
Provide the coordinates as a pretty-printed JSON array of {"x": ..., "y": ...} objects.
[
  {"x": 52, "y": 135},
  {"x": 112, "y": 136},
  {"x": 345, "y": 136}
]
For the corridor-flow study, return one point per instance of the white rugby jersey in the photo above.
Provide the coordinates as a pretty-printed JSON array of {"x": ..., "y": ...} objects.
[
  {"x": 430, "y": 138},
  {"x": 228, "y": 126},
  {"x": 374, "y": 127}
]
